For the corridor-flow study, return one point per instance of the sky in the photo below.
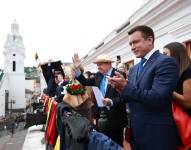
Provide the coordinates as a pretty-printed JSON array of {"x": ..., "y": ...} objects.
[{"x": 56, "y": 29}]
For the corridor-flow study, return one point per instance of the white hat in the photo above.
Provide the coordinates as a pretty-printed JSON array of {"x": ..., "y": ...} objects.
[{"x": 103, "y": 59}]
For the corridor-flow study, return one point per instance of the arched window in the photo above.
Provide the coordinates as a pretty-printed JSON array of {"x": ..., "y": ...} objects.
[{"x": 14, "y": 66}]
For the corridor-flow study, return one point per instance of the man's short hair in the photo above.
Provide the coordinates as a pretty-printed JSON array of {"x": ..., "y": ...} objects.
[
  {"x": 56, "y": 73},
  {"x": 145, "y": 30}
]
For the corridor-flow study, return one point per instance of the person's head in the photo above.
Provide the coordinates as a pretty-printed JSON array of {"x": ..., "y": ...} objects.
[
  {"x": 121, "y": 67},
  {"x": 180, "y": 53},
  {"x": 104, "y": 63},
  {"x": 56, "y": 73},
  {"x": 67, "y": 78},
  {"x": 60, "y": 77},
  {"x": 141, "y": 40},
  {"x": 117, "y": 62},
  {"x": 56, "y": 79}
]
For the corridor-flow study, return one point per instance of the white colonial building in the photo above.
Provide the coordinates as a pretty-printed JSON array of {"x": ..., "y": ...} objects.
[
  {"x": 170, "y": 20},
  {"x": 12, "y": 83}
]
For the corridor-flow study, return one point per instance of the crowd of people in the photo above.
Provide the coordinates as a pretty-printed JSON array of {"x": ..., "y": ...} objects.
[{"x": 150, "y": 88}]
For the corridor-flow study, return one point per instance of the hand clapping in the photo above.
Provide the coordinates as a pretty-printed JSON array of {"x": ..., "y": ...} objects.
[{"x": 118, "y": 81}]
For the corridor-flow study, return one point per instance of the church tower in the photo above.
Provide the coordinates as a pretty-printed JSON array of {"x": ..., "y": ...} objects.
[{"x": 14, "y": 55}]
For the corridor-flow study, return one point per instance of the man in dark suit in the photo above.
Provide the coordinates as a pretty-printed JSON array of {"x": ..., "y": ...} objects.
[
  {"x": 49, "y": 71},
  {"x": 117, "y": 117},
  {"x": 148, "y": 92},
  {"x": 60, "y": 88}
]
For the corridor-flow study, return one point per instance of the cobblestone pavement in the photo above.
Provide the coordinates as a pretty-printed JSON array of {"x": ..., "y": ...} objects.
[{"x": 13, "y": 142}]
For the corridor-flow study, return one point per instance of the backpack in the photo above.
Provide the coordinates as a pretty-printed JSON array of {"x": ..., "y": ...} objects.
[
  {"x": 100, "y": 141},
  {"x": 76, "y": 131}
]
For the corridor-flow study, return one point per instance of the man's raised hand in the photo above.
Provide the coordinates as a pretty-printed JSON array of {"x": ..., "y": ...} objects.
[{"x": 76, "y": 61}]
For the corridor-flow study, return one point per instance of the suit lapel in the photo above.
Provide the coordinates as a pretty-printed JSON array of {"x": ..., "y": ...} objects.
[
  {"x": 147, "y": 65},
  {"x": 133, "y": 77}
]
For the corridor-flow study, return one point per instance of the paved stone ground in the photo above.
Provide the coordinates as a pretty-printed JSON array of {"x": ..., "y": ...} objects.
[{"x": 13, "y": 143}]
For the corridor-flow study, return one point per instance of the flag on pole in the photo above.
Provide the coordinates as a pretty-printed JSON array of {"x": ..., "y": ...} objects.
[{"x": 36, "y": 56}]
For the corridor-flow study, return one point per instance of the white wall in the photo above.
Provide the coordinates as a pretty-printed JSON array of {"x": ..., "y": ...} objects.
[
  {"x": 28, "y": 98},
  {"x": 3, "y": 85},
  {"x": 30, "y": 84},
  {"x": 17, "y": 90},
  {"x": 8, "y": 62},
  {"x": 169, "y": 19}
]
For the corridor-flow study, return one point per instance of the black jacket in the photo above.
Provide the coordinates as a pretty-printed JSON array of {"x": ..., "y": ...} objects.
[
  {"x": 117, "y": 115},
  {"x": 60, "y": 91}
]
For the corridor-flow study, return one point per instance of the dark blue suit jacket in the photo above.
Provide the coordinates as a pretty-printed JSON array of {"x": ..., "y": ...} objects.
[{"x": 149, "y": 97}]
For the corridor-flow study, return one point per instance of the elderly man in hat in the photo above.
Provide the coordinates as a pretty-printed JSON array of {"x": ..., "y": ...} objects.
[{"x": 116, "y": 114}]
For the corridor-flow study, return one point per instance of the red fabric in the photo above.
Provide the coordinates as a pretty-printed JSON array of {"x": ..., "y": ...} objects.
[
  {"x": 51, "y": 134},
  {"x": 127, "y": 134},
  {"x": 183, "y": 123},
  {"x": 46, "y": 104},
  {"x": 43, "y": 97}
]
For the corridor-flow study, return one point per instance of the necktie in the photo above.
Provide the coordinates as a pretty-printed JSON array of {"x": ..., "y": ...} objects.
[
  {"x": 103, "y": 84},
  {"x": 140, "y": 67}
]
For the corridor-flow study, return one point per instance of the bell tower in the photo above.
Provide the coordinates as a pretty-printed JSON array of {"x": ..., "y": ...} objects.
[{"x": 14, "y": 55}]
